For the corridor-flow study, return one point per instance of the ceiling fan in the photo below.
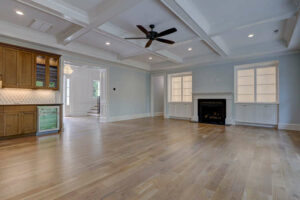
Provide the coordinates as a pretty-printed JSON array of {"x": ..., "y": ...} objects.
[{"x": 153, "y": 35}]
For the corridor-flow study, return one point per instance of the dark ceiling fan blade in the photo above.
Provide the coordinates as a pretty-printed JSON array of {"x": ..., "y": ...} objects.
[
  {"x": 167, "y": 32},
  {"x": 148, "y": 43},
  {"x": 165, "y": 41},
  {"x": 135, "y": 38},
  {"x": 142, "y": 29}
]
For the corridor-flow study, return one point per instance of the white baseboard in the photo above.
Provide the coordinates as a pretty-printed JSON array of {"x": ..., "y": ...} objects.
[
  {"x": 292, "y": 127},
  {"x": 157, "y": 114},
  {"x": 181, "y": 118},
  {"x": 255, "y": 124},
  {"x": 127, "y": 117}
]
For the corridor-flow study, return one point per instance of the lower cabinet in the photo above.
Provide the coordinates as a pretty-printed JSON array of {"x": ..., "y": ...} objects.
[
  {"x": 28, "y": 122},
  {"x": 257, "y": 113},
  {"x": 1, "y": 124},
  {"x": 180, "y": 110},
  {"x": 11, "y": 123},
  {"x": 18, "y": 120}
]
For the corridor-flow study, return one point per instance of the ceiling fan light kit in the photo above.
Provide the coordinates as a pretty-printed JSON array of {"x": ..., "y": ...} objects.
[{"x": 153, "y": 35}]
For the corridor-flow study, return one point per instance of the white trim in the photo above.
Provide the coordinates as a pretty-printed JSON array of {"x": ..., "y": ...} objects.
[
  {"x": 180, "y": 118},
  {"x": 222, "y": 60},
  {"x": 238, "y": 123},
  {"x": 214, "y": 95},
  {"x": 152, "y": 92},
  {"x": 157, "y": 114},
  {"x": 127, "y": 117},
  {"x": 181, "y": 74},
  {"x": 292, "y": 127}
]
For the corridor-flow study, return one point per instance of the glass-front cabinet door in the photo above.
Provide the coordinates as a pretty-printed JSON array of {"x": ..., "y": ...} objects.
[
  {"x": 40, "y": 71},
  {"x": 47, "y": 71},
  {"x": 53, "y": 72}
]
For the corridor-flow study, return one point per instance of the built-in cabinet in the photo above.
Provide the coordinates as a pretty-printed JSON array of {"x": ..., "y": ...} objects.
[
  {"x": 180, "y": 110},
  {"x": 265, "y": 114},
  {"x": 17, "y": 120},
  {"x": 25, "y": 68}
]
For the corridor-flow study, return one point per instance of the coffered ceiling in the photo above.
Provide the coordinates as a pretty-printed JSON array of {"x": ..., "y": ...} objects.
[{"x": 208, "y": 31}]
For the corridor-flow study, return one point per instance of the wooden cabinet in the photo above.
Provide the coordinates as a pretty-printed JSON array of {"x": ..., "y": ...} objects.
[
  {"x": 10, "y": 68},
  {"x": 28, "y": 122},
  {"x": 11, "y": 123},
  {"x": 1, "y": 122},
  {"x": 46, "y": 71},
  {"x": 18, "y": 120},
  {"x": 26, "y": 68},
  {"x": 1, "y": 63},
  {"x": 53, "y": 72}
]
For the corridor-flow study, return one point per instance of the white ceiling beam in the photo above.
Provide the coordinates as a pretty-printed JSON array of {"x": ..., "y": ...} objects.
[
  {"x": 219, "y": 31},
  {"x": 44, "y": 39},
  {"x": 293, "y": 36},
  {"x": 116, "y": 33},
  {"x": 103, "y": 13},
  {"x": 190, "y": 16},
  {"x": 60, "y": 9},
  {"x": 171, "y": 57}
]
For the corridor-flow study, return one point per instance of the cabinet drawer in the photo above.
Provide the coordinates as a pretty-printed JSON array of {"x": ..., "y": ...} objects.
[{"x": 19, "y": 108}]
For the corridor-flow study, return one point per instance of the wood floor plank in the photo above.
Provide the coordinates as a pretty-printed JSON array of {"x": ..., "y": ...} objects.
[{"x": 152, "y": 158}]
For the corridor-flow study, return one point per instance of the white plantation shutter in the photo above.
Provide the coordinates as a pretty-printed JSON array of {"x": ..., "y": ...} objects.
[
  {"x": 245, "y": 85},
  {"x": 181, "y": 88},
  {"x": 256, "y": 83},
  {"x": 266, "y": 87},
  {"x": 176, "y": 89},
  {"x": 187, "y": 88}
]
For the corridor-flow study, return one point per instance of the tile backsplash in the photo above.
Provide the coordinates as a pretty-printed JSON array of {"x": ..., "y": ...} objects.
[{"x": 27, "y": 96}]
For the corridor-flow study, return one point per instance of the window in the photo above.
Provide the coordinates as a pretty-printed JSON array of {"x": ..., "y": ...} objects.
[
  {"x": 68, "y": 92},
  {"x": 181, "y": 88},
  {"x": 96, "y": 88},
  {"x": 256, "y": 83}
]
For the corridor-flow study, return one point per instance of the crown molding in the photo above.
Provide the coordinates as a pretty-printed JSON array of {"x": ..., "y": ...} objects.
[{"x": 224, "y": 60}]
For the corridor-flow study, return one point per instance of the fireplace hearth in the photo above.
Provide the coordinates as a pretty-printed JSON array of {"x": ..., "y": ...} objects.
[{"x": 212, "y": 111}]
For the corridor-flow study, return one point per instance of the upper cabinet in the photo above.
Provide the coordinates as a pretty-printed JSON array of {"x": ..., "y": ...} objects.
[
  {"x": 24, "y": 68},
  {"x": 53, "y": 72},
  {"x": 10, "y": 68},
  {"x": 46, "y": 71}
]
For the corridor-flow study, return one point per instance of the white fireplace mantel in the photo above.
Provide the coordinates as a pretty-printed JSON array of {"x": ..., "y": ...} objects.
[{"x": 214, "y": 95}]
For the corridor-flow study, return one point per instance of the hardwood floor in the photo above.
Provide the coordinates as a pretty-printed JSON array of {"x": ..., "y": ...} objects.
[{"x": 152, "y": 159}]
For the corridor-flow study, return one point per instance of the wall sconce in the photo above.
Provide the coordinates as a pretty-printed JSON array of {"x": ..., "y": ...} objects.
[{"x": 68, "y": 69}]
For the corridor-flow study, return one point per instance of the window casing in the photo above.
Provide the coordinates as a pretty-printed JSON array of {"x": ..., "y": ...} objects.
[
  {"x": 180, "y": 88},
  {"x": 257, "y": 83}
]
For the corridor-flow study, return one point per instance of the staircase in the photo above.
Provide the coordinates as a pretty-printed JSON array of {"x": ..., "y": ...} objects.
[{"x": 94, "y": 111}]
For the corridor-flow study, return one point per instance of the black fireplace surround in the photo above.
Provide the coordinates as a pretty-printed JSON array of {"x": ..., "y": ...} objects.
[{"x": 212, "y": 111}]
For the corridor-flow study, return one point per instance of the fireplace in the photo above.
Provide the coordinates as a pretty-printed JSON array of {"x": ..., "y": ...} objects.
[{"x": 212, "y": 111}]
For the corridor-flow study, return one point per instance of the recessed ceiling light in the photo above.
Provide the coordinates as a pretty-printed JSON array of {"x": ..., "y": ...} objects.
[
  {"x": 150, "y": 58},
  {"x": 251, "y": 35},
  {"x": 19, "y": 12},
  {"x": 107, "y": 43},
  {"x": 190, "y": 49}
]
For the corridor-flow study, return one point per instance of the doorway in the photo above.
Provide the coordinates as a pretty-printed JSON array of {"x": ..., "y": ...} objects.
[
  {"x": 157, "y": 95},
  {"x": 84, "y": 91}
]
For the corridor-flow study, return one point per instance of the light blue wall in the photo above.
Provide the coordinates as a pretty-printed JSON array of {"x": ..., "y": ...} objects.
[
  {"x": 132, "y": 94},
  {"x": 220, "y": 78}
]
